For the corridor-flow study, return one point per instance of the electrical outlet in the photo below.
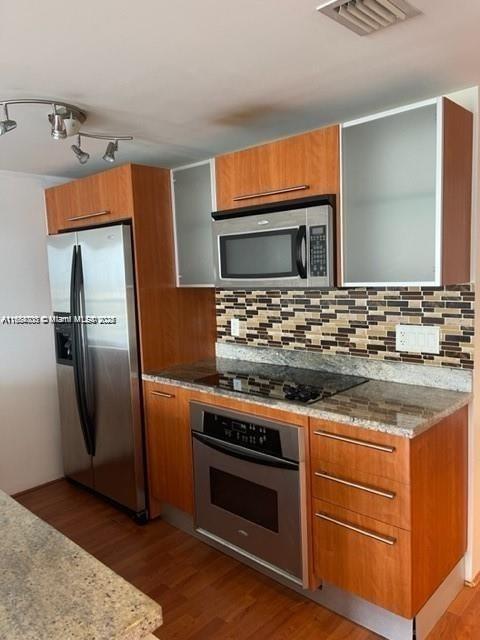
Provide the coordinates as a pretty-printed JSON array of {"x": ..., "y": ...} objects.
[
  {"x": 416, "y": 338},
  {"x": 235, "y": 327}
]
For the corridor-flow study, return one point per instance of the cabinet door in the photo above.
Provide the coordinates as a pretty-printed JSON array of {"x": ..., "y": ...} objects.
[
  {"x": 389, "y": 198},
  {"x": 383, "y": 499},
  {"x": 301, "y": 166},
  {"x": 169, "y": 448},
  {"x": 363, "y": 556},
  {"x": 192, "y": 193},
  {"x": 98, "y": 199},
  {"x": 354, "y": 449}
]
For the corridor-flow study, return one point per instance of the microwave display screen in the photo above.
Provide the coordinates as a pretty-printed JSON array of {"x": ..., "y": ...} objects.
[{"x": 266, "y": 254}]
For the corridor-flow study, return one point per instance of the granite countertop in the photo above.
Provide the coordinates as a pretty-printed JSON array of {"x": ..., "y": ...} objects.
[
  {"x": 51, "y": 589},
  {"x": 396, "y": 408}
]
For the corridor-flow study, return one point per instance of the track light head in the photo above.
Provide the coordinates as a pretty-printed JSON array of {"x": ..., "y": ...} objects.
[
  {"x": 82, "y": 156},
  {"x": 59, "y": 131},
  {"x": 6, "y": 124},
  {"x": 112, "y": 148}
]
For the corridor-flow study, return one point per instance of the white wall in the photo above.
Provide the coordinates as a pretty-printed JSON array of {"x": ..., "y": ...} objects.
[{"x": 29, "y": 423}]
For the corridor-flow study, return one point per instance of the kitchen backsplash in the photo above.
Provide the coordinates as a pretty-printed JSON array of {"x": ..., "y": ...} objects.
[{"x": 358, "y": 322}]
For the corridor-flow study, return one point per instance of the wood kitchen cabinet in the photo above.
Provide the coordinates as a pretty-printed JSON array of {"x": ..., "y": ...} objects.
[
  {"x": 299, "y": 166},
  {"x": 169, "y": 447},
  {"x": 175, "y": 325},
  {"x": 383, "y": 516},
  {"x": 389, "y": 513},
  {"x": 406, "y": 196},
  {"x": 99, "y": 199}
]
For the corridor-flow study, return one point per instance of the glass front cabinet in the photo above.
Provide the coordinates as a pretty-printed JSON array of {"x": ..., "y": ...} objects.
[
  {"x": 193, "y": 190},
  {"x": 406, "y": 196}
]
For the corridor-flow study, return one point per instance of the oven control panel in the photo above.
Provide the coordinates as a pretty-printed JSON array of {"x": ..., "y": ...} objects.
[
  {"x": 247, "y": 434},
  {"x": 318, "y": 251}
]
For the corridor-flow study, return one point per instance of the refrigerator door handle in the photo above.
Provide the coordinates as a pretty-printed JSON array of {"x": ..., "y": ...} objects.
[{"x": 76, "y": 284}]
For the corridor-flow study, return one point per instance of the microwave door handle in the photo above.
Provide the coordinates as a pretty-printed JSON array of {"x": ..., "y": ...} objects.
[
  {"x": 242, "y": 453},
  {"x": 299, "y": 255}
]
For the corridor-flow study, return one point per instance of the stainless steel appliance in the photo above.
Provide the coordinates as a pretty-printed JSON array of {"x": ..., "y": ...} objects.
[
  {"x": 247, "y": 487},
  {"x": 287, "y": 244},
  {"x": 93, "y": 299}
]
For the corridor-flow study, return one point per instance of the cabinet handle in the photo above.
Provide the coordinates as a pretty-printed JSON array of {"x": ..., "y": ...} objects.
[
  {"x": 274, "y": 192},
  {"x": 352, "y": 527},
  {"x": 89, "y": 215},
  {"x": 356, "y": 485},
  {"x": 360, "y": 443},
  {"x": 162, "y": 394}
]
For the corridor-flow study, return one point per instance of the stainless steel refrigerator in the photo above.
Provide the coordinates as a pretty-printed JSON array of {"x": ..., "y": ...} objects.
[{"x": 93, "y": 299}]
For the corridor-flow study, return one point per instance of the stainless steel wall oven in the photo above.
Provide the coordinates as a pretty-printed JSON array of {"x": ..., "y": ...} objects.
[{"x": 247, "y": 487}]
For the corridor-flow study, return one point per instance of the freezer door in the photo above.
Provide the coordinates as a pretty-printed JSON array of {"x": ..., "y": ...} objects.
[
  {"x": 109, "y": 303},
  {"x": 77, "y": 462}
]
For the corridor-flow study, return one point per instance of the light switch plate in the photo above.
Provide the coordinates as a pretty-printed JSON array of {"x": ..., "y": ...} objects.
[
  {"x": 235, "y": 327},
  {"x": 415, "y": 338}
]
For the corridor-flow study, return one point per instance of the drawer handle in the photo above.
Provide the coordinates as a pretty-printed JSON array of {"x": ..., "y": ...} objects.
[
  {"x": 360, "y": 443},
  {"x": 89, "y": 215},
  {"x": 162, "y": 394},
  {"x": 274, "y": 192},
  {"x": 363, "y": 487},
  {"x": 363, "y": 532}
]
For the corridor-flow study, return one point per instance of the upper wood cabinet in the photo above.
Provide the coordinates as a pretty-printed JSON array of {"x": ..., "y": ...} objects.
[
  {"x": 300, "y": 166},
  {"x": 406, "y": 196},
  {"x": 98, "y": 199},
  {"x": 175, "y": 325}
]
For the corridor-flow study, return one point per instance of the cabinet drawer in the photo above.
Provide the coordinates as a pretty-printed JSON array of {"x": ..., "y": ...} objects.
[
  {"x": 296, "y": 167},
  {"x": 98, "y": 199},
  {"x": 363, "y": 556},
  {"x": 353, "y": 448},
  {"x": 379, "y": 498}
]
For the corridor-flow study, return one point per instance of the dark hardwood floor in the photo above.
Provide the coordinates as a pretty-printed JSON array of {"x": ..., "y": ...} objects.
[{"x": 206, "y": 595}]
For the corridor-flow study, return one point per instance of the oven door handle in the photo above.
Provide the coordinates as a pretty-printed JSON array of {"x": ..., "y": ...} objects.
[
  {"x": 299, "y": 256},
  {"x": 245, "y": 454}
]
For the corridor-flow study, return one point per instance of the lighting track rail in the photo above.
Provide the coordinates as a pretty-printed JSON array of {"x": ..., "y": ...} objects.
[{"x": 65, "y": 121}]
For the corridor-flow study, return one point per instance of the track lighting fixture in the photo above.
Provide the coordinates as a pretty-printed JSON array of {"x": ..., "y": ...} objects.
[
  {"x": 6, "y": 124},
  {"x": 65, "y": 120},
  {"x": 112, "y": 146},
  {"x": 82, "y": 156}
]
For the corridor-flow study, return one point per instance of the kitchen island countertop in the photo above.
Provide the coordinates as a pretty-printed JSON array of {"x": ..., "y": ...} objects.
[{"x": 51, "y": 589}]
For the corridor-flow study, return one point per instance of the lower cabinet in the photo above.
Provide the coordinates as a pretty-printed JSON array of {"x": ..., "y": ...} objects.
[
  {"x": 385, "y": 517},
  {"x": 169, "y": 447},
  {"x": 363, "y": 556},
  {"x": 388, "y": 513}
]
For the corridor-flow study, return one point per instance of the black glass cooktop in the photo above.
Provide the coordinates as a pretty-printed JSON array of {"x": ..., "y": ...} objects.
[{"x": 304, "y": 386}]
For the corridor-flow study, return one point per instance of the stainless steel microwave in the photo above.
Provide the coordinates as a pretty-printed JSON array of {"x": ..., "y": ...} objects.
[{"x": 279, "y": 245}]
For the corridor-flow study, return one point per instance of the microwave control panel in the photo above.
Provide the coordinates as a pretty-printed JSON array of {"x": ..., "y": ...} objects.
[{"x": 318, "y": 251}]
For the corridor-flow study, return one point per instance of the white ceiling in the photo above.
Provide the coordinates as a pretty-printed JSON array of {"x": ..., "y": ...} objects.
[{"x": 190, "y": 79}]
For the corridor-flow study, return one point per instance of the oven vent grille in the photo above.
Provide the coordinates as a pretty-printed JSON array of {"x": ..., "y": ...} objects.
[{"x": 368, "y": 16}]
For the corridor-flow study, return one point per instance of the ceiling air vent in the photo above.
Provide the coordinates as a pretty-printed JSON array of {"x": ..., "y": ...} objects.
[{"x": 368, "y": 16}]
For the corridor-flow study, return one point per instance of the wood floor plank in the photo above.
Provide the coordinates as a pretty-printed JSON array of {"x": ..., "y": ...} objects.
[{"x": 205, "y": 594}]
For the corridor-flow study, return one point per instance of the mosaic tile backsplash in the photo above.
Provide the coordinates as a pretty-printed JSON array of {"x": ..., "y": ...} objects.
[{"x": 358, "y": 322}]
